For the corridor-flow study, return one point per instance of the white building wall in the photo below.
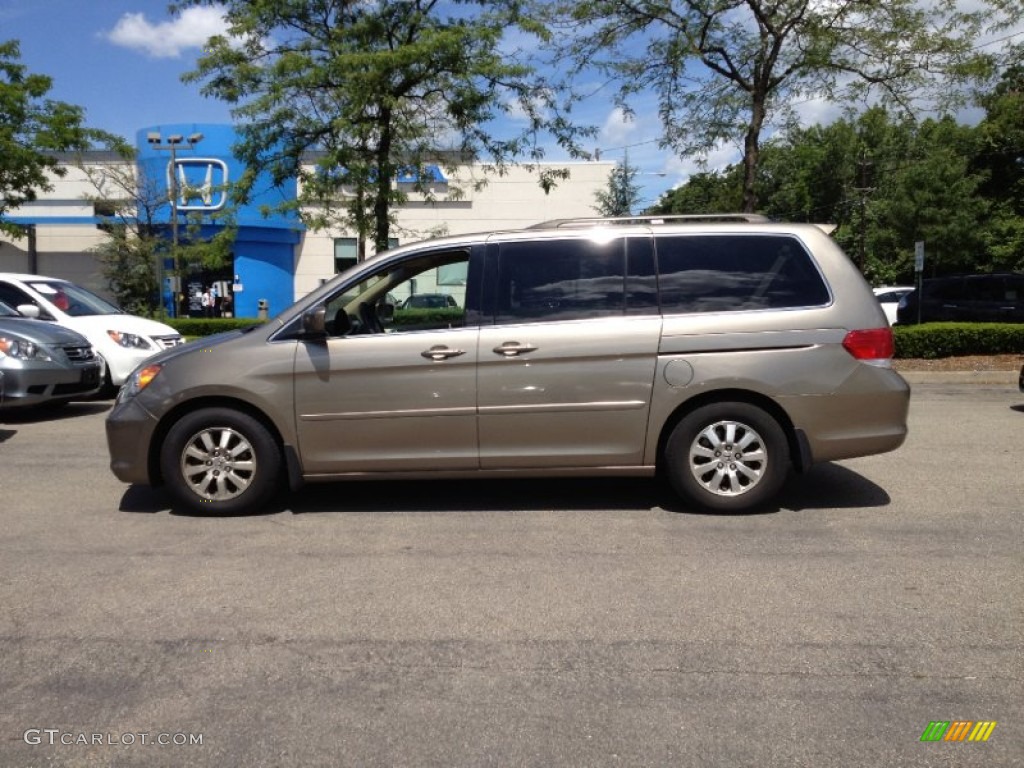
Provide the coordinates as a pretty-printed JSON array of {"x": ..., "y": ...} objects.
[
  {"x": 63, "y": 250},
  {"x": 512, "y": 201}
]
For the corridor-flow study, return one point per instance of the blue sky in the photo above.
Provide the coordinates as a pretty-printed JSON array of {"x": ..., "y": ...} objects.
[{"x": 122, "y": 61}]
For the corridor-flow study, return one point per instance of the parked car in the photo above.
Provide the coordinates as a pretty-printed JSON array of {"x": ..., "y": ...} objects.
[
  {"x": 122, "y": 340},
  {"x": 997, "y": 297},
  {"x": 429, "y": 301},
  {"x": 722, "y": 353},
  {"x": 43, "y": 364},
  {"x": 889, "y": 297}
]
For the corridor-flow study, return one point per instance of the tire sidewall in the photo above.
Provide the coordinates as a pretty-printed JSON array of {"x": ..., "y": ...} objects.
[
  {"x": 677, "y": 457},
  {"x": 265, "y": 448}
]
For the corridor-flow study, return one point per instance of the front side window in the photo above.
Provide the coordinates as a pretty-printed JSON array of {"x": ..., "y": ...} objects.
[
  {"x": 403, "y": 297},
  {"x": 721, "y": 273}
]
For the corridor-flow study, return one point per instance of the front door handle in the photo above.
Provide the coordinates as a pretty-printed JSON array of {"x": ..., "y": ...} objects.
[
  {"x": 513, "y": 348},
  {"x": 441, "y": 352}
]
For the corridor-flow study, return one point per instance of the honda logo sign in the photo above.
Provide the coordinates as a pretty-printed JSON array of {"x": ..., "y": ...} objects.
[{"x": 201, "y": 183}]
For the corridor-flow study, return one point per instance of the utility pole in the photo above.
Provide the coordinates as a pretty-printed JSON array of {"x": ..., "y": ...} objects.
[
  {"x": 174, "y": 143},
  {"x": 863, "y": 191}
]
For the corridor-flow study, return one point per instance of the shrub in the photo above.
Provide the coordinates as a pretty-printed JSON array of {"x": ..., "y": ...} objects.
[
  {"x": 432, "y": 317},
  {"x": 207, "y": 326},
  {"x": 934, "y": 340}
]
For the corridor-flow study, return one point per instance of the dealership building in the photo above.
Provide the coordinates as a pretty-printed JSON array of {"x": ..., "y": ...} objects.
[{"x": 275, "y": 258}]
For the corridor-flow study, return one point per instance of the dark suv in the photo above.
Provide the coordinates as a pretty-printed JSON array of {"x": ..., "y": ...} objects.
[{"x": 997, "y": 298}]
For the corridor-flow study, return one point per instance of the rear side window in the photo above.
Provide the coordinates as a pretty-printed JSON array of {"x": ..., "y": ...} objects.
[
  {"x": 722, "y": 273},
  {"x": 560, "y": 280}
]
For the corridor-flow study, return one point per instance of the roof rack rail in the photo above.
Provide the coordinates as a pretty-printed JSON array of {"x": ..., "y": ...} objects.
[{"x": 674, "y": 218}]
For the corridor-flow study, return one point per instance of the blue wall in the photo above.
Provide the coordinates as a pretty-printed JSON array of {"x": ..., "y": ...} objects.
[{"x": 265, "y": 245}]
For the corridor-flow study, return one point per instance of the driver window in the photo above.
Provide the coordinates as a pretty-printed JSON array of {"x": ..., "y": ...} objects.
[{"x": 422, "y": 293}]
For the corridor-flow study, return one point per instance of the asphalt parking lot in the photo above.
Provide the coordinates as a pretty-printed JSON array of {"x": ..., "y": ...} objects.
[{"x": 576, "y": 623}]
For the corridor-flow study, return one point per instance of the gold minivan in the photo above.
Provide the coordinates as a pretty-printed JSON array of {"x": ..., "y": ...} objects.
[{"x": 722, "y": 351}]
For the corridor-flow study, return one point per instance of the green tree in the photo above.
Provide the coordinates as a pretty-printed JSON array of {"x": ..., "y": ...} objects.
[
  {"x": 930, "y": 194},
  {"x": 372, "y": 89},
  {"x": 725, "y": 71},
  {"x": 32, "y": 129},
  {"x": 704, "y": 192},
  {"x": 622, "y": 194}
]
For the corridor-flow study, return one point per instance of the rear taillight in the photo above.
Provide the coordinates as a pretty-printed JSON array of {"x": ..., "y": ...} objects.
[{"x": 874, "y": 346}]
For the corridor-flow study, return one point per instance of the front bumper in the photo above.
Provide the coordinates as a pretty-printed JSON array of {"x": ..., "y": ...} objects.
[
  {"x": 130, "y": 430},
  {"x": 27, "y": 384}
]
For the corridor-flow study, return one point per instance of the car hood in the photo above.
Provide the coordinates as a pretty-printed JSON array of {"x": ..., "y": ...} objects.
[
  {"x": 100, "y": 324},
  {"x": 206, "y": 342},
  {"x": 41, "y": 332}
]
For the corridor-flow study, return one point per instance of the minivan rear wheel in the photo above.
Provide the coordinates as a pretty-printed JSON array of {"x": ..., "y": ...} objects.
[
  {"x": 220, "y": 460},
  {"x": 727, "y": 457}
]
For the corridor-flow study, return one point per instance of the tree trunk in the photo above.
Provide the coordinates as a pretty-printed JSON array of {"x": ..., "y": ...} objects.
[
  {"x": 385, "y": 175},
  {"x": 752, "y": 152}
]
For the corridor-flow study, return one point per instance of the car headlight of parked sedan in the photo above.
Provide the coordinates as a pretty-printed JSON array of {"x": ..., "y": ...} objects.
[
  {"x": 130, "y": 340},
  {"x": 21, "y": 349}
]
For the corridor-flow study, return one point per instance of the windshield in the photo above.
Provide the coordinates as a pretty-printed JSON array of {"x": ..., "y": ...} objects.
[{"x": 73, "y": 299}]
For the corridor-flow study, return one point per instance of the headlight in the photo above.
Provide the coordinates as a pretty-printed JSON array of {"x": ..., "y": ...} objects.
[
  {"x": 21, "y": 349},
  {"x": 138, "y": 381},
  {"x": 130, "y": 340}
]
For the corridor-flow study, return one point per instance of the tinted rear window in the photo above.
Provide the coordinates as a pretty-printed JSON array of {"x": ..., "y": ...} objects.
[
  {"x": 721, "y": 273},
  {"x": 560, "y": 280}
]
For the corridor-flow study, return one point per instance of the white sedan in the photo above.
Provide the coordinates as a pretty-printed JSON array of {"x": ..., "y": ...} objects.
[{"x": 889, "y": 297}]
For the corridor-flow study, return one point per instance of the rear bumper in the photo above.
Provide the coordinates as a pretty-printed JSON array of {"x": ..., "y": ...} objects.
[{"x": 866, "y": 415}]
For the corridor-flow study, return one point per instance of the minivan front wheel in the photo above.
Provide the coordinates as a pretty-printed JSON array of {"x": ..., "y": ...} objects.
[
  {"x": 220, "y": 460},
  {"x": 727, "y": 457}
]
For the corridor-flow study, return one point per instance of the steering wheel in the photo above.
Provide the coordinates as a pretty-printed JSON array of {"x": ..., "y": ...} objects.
[{"x": 371, "y": 322}]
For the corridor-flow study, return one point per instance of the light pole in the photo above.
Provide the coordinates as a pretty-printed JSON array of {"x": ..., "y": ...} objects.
[{"x": 174, "y": 143}]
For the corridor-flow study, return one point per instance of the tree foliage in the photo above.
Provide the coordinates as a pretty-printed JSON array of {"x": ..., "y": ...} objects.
[
  {"x": 373, "y": 89},
  {"x": 32, "y": 129},
  {"x": 888, "y": 182},
  {"x": 622, "y": 195},
  {"x": 723, "y": 72}
]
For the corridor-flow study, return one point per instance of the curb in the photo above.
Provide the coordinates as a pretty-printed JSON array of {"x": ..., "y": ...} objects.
[{"x": 1006, "y": 379}]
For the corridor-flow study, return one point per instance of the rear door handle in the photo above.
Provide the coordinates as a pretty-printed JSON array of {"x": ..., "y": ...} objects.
[
  {"x": 441, "y": 352},
  {"x": 513, "y": 349}
]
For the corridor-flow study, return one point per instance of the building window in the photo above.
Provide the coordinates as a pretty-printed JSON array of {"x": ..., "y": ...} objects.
[{"x": 346, "y": 253}]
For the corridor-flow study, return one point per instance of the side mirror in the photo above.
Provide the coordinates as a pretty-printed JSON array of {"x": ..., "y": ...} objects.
[
  {"x": 28, "y": 310},
  {"x": 313, "y": 321}
]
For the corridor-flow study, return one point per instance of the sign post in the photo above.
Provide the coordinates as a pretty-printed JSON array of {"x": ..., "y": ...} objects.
[{"x": 918, "y": 270}]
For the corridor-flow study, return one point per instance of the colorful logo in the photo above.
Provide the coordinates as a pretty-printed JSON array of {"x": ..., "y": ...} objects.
[{"x": 958, "y": 730}]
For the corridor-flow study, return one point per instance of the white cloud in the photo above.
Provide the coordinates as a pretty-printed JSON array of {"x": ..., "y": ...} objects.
[
  {"x": 618, "y": 128},
  {"x": 167, "y": 39},
  {"x": 681, "y": 169}
]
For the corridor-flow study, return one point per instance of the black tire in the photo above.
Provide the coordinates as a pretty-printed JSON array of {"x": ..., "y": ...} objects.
[
  {"x": 727, "y": 457},
  {"x": 220, "y": 461},
  {"x": 107, "y": 390}
]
